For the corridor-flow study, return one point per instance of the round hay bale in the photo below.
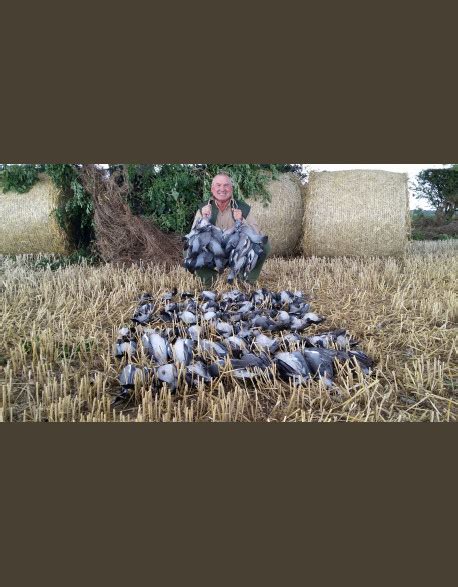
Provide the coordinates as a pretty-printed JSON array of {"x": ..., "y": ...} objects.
[
  {"x": 281, "y": 219},
  {"x": 27, "y": 222},
  {"x": 356, "y": 213}
]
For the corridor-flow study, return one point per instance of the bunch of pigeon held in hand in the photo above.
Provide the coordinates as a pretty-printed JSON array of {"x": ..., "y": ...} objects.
[
  {"x": 238, "y": 248},
  {"x": 189, "y": 339}
]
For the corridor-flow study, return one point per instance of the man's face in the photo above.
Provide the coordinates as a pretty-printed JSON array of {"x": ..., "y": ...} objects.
[{"x": 222, "y": 188}]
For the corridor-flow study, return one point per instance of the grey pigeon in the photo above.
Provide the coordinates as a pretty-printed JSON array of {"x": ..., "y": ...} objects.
[
  {"x": 126, "y": 348},
  {"x": 292, "y": 366},
  {"x": 182, "y": 351},
  {"x": 266, "y": 343},
  {"x": 320, "y": 362},
  {"x": 168, "y": 374},
  {"x": 130, "y": 373},
  {"x": 188, "y": 317},
  {"x": 159, "y": 348}
]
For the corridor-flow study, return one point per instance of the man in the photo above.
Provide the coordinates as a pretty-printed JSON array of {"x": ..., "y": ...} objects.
[{"x": 223, "y": 211}]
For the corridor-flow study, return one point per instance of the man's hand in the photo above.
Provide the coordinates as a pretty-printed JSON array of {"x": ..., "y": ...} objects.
[
  {"x": 207, "y": 211},
  {"x": 237, "y": 214}
]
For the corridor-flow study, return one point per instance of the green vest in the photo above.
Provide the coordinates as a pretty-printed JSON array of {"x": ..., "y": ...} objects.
[{"x": 244, "y": 207}]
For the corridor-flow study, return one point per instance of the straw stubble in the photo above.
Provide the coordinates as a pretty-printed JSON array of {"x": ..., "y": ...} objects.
[{"x": 58, "y": 329}]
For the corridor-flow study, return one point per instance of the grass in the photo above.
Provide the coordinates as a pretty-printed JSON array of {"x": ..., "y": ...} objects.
[{"x": 58, "y": 325}]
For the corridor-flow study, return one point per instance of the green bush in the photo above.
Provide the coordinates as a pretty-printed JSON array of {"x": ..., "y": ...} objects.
[
  {"x": 76, "y": 210},
  {"x": 418, "y": 235},
  {"x": 19, "y": 178},
  {"x": 170, "y": 194},
  {"x": 54, "y": 262}
]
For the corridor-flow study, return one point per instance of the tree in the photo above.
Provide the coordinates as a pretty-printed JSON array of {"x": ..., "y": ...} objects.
[
  {"x": 169, "y": 194},
  {"x": 440, "y": 188}
]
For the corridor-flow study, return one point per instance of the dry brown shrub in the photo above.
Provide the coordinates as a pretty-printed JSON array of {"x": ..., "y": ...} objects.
[{"x": 122, "y": 237}]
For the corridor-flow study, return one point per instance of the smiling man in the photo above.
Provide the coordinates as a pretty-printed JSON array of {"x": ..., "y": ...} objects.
[{"x": 223, "y": 211}]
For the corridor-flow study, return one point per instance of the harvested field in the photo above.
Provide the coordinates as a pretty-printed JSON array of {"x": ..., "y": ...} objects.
[{"x": 58, "y": 329}]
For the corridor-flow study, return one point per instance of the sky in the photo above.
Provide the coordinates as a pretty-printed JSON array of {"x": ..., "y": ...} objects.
[{"x": 411, "y": 168}]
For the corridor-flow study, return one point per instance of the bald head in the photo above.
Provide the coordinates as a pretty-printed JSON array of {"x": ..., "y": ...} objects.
[
  {"x": 222, "y": 177},
  {"x": 222, "y": 188}
]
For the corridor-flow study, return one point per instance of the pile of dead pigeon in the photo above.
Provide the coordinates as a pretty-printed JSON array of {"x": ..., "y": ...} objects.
[
  {"x": 190, "y": 338},
  {"x": 238, "y": 248}
]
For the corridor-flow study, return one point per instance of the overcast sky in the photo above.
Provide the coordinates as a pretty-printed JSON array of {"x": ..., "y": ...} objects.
[{"x": 411, "y": 168}]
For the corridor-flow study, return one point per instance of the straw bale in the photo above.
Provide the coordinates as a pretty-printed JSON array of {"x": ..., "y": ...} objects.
[
  {"x": 281, "y": 219},
  {"x": 356, "y": 213},
  {"x": 27, "y": 222}
]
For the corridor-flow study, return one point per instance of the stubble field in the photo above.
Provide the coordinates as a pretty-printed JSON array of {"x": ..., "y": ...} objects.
[{"x": 58, "y": 329}]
